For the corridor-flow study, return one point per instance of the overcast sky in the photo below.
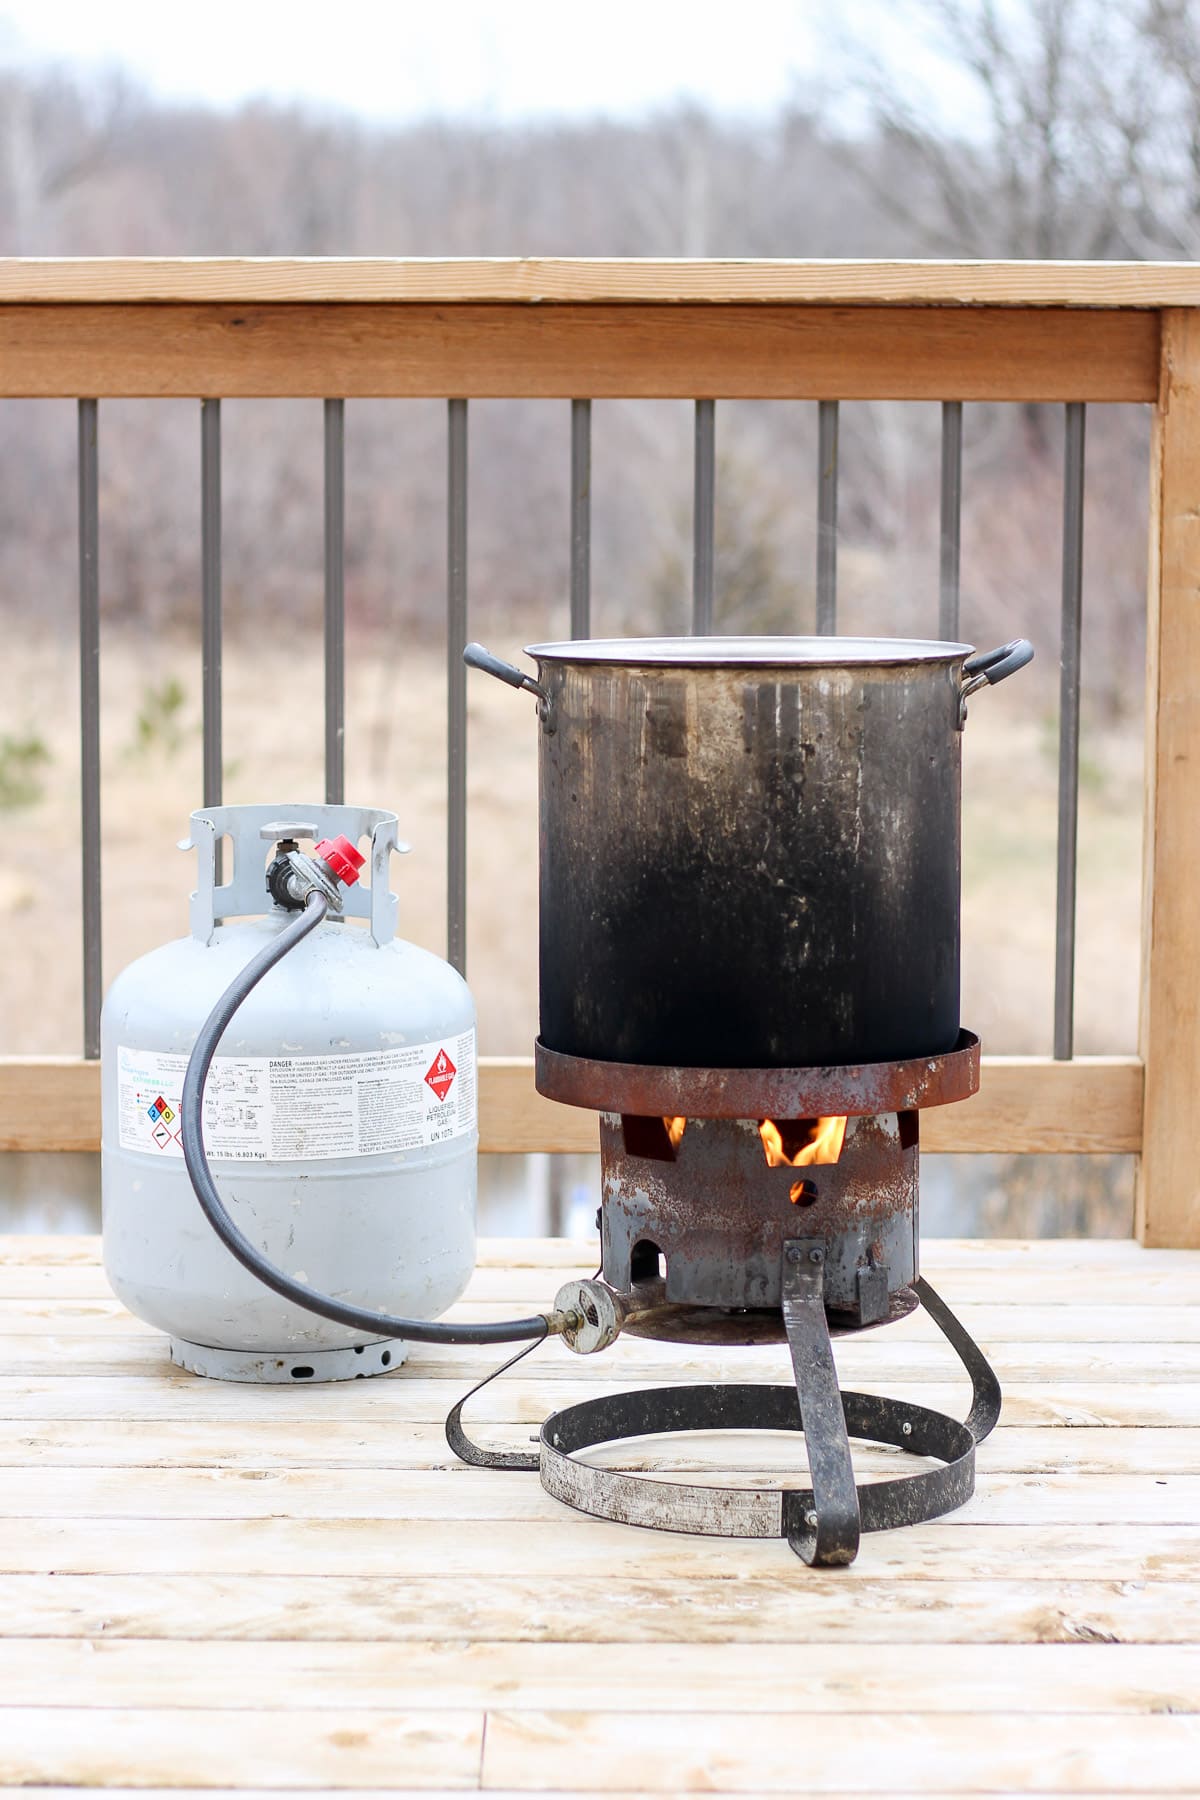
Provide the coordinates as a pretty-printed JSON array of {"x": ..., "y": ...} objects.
[{"x": 499, "y": 60}]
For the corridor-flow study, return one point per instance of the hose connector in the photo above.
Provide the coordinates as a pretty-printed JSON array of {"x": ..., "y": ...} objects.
[{"x": 592, "y": 1315}]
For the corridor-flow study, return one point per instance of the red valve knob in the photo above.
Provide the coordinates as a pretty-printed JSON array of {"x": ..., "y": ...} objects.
[{"x": 339, "y": 855}]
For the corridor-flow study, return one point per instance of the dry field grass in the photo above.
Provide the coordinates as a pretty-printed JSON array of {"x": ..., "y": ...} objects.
[{"x": 395, "y": 758}]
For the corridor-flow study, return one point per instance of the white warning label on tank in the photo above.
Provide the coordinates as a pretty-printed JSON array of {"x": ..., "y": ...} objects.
[{"x": 295, "y": 1108}]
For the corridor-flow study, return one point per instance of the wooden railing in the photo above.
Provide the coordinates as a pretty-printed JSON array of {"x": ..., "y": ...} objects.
[{"x": 579, "y": 331}]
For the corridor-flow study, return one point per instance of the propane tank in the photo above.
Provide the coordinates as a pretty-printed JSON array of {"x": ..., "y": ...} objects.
[{"x": 339, "y": 1118}]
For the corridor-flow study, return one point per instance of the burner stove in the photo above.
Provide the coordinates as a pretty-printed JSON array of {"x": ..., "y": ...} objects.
[
  {"x": 750, "y": 854},
  {"x": 743, "y": 1206}
]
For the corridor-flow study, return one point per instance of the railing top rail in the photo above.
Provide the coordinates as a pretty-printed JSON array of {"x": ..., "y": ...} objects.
[{"x": 532, "y": 280}]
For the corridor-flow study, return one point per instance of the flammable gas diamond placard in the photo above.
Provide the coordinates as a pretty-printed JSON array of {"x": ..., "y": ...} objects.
[{"x": 440, "y": 1074}]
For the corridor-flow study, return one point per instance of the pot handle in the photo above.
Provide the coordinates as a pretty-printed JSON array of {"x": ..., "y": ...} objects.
[
  {"x": 990, "y": 666},
  {"x": 476, "y": 657}
]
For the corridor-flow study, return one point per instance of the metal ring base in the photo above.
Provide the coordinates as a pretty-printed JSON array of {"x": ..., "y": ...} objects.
[{"x": 749, "y": 1512}]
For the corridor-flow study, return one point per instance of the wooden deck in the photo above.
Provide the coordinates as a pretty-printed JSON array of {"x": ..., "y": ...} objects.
[{"x": 211, "y": 1586}]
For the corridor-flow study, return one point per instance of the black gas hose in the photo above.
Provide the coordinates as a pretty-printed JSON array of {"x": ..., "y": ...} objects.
[{"x": 376, "y": 1324}]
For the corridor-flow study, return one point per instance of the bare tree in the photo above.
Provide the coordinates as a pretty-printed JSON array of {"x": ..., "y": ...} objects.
[
  {"x": 1061, "y": 154},
  {"x": 54, "y": 137},
  {"x": 1170, "y": 177}
]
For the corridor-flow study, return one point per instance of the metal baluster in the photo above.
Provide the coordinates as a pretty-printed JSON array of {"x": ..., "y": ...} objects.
[
  {"x": 335, "y": 602},
  {"x": 456, "y": 685},
  {"x": 704, "y": 518},
  {"x": 89, "y": 715},
  {"x": 1068, "y": 732},
  {"x": 948, "y": 592},
  {"x": 210, "y": 606},
  {"x": 581, "y": 518},
  {"x": 827, "y": 491}
]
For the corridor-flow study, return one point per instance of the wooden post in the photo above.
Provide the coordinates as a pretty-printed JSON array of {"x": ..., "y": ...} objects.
[{"x": 1168, "y": 1189}]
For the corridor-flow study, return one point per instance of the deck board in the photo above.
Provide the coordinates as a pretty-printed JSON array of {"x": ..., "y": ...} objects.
[{"x": 213, "y": 1587}]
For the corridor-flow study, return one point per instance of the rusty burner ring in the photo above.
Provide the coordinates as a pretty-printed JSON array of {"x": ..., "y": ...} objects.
[{"x": 860, "y": 1090}]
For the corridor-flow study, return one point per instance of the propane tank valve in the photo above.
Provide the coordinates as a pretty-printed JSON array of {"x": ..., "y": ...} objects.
[{"x": 293, "y": 875}]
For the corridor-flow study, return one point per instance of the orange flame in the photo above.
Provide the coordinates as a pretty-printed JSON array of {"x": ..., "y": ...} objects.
[
  {"x": 674, "y": 1131},
  {"x": 823, "y": 1144}
]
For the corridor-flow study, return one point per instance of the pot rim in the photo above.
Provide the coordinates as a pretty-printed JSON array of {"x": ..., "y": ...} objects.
[{"x": 750, "y": 652}]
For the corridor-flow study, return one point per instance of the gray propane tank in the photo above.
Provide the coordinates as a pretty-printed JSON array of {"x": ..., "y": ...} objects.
[{"x": 340, "y": 1116}]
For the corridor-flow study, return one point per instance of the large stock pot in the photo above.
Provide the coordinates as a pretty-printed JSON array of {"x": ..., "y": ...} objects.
[{"x": 750, "y": 847}]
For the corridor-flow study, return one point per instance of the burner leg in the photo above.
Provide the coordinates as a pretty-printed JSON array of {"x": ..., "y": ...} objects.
[
  {"x": 827, "y": 1535},
  {"x": 473, "y": 1453},
  {"x": 985, "y": 1397}
]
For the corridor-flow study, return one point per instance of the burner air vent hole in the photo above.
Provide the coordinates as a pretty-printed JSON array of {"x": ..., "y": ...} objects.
[
  {"x": 301, "y": 1372},
  {"x": 646, "y": 1261}
]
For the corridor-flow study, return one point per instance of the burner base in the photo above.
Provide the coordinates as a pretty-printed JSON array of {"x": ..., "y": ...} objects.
[
  {"x": 798, "y": 1514},
  {"x": 821, "y": 1523}
]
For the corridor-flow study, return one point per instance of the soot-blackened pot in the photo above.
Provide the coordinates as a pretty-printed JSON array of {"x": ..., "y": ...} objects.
[{"x": 750, "y": 847}]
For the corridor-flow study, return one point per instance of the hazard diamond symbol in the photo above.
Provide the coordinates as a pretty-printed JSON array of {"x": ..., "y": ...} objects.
[{"x": 440, "y": 1074}]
